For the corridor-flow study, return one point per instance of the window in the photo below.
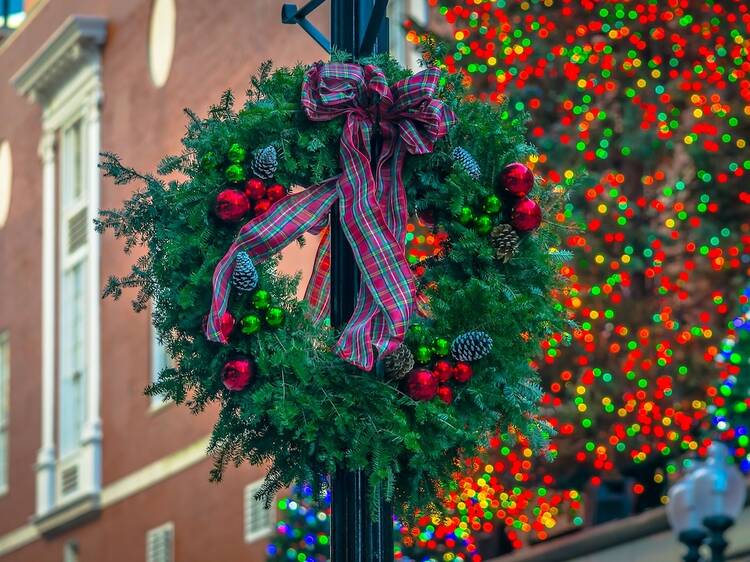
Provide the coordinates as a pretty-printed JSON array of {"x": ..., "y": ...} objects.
[
  {"x": 160, "y": 360},
  {"x": 70, "y": 551},
  {"x": 160, "y": 544},
  {"x": 4, "y": 405},
  {"x": 258, "y": 519},
  {"x": 74, "y": 234},
  {"x": 63, "y": 77},
  {"x": 11, "y": 15}
]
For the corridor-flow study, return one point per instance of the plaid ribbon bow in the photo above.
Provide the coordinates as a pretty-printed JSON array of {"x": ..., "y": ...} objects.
[{"x": 372, "y": 206}]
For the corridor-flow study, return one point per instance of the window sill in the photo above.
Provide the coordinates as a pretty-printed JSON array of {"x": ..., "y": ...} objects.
[
  {"x": 158, "y": 406},
  {"x": 68, "y": 514},
  {"x": 257, "y": 535}
]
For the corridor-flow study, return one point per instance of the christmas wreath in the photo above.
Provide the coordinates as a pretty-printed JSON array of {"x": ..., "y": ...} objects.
[{"x": 456, "y": 331}]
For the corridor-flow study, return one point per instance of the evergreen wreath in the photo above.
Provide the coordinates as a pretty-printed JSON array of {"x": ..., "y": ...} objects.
[{"x": 286, "y": 399}]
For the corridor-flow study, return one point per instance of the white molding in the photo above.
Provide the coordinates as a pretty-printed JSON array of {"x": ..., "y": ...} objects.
[
  {"x": 154, "y": 473},
  {"x": 121, "y": 489},
  {"x": 45, "y": 461},
  {"x": 75, "y": 43}
]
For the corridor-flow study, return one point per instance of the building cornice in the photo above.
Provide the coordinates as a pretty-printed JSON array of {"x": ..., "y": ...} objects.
[{"x": 77, "y": 41}]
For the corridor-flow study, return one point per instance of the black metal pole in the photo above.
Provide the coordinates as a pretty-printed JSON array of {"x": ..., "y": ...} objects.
[
  {"x": 693, "y": 539},
  {"x": 357, "y": 535}
]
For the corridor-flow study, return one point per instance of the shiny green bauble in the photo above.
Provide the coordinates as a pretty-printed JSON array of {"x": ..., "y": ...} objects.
[
  {"x": 483, "y": 224},
  {"x": 465, "y": 215},
  {"x": 423, "y": 354},
  {"x": 261, "y": 299},
  {"x": 492, "y": 205},
  {"x": 236, "y": 153},
  {"x": 275, "y": 316},
  {"x": 250, "y": 324},
  {"x": 235, "y": 173},
  {"x": 441, "y": 347}
]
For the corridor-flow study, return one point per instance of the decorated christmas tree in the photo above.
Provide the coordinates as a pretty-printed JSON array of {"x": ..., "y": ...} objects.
[
  {"x": 648, "y": 104},
  {"x": 729, "y": 399},
  {"x": 302, "y": 534}
]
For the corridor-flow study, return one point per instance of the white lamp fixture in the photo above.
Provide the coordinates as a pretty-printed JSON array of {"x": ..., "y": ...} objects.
[
  {"x": 721, "y": 491},
  {"x": 684, "y": 515}
]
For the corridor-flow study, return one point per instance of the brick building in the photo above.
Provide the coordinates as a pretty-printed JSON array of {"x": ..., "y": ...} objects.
[{"x": 90, "y": 468}]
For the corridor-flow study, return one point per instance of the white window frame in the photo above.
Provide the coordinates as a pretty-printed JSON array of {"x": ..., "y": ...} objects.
[
  {"x": 168, "y": 527},
  {"x": 64, "y": 77},
  {"x": 5, "y": 411},
  {"x": 159, "y": 360},
  {"x": 253, "y": 535},
  {"x": 69, "y": 207}
]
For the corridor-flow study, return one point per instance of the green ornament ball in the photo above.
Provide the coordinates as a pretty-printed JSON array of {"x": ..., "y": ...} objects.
[
  {"x": 423, "y": 354},
  {"x": 235, "y": 173},
  {"x": 441, "y": 347},
  {"x": 492, "y": 205},
  {"x": 236, "y": 153},
  {"x": 465, "y": 215},
  {"x": 416, "y": 330},
  {"x": 261, "y": 299},
  {"x": 275, "y": 316},
  {"x": 250, "y": 324},
  {"x": 483, "y": 224}
]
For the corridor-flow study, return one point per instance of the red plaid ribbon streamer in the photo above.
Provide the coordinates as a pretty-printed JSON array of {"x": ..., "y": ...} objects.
[{"x": 372, "y": 206}]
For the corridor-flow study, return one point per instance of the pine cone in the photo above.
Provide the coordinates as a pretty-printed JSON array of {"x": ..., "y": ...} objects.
[
  {"x": 505, "y": 240},
  {"x": 471, "y": 346},
  {"x": 467, "y": 162},
  {"x": 265, "y": 163},
  {"x": 245, "y": 276},
  {"x": 399, "y": 363}
]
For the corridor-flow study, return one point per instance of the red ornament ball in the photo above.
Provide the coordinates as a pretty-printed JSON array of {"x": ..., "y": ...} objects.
[
  {"x": 526, "y": 215},
  {"x": 227, "y": 324},
  {"x": 445, "y": 393},
  {"x": 443, "y": 370},
  {"x": 261, "y": 206},
  {"x": 275, "y": 192},
  {"x": 462, "y": 372},
  {"x": 517, "y": 179},
  {"x": 422, "y": 384},
  {"x": 255, "y": 189},
  {"x": 237, "y": 373},
  {"x": 231, "y": 205}
]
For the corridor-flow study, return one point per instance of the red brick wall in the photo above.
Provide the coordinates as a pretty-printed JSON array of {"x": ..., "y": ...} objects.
[{"x": 218, "y": 45}]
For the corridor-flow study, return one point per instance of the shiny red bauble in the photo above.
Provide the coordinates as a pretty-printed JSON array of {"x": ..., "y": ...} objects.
[
  {"x": 526, "y": 215},
  {"x": 255, "y": 189},
  {"x": 275, "y": 192},
  {"x": 462, "y": 372},
  {"x": 422, "y": 384},
  {"x": 445, "y": 393},
  {"x": 231, "y": 205},
  {"x": 517, "y": 179},
  {"x": 226, "y": 325},
  {"x": 237, "y": 373},
  {"x": 261, "y": 207},
  {"x": 443, "y": 370}
]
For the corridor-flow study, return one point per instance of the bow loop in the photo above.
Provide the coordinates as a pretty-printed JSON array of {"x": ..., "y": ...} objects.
[{"x": 371, "y": 201}]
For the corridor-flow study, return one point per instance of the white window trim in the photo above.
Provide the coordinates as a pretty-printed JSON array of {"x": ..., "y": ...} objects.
[
  {"x": 160, "y": 529},
  {"x": 156, "y": 402},
  {"x": 64, "y": 76},
  {"x": 248, "y": 495},
  {"x": 5, "y": 407}
]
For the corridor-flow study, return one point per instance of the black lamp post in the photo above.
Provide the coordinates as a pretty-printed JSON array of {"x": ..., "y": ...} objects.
[{"x": 357, "y": 535}]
